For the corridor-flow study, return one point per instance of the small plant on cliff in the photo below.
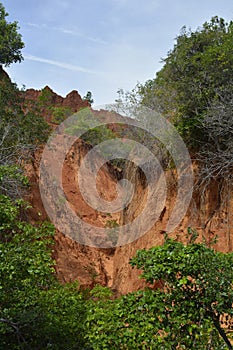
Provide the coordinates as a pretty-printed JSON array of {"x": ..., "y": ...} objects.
[
  {"x": 112, "y": 226},
  {"x": 85, "y": 125},
  {"x": 46, "y": 97},
  {"x": 88, "y": 97},
  {"x": 59, "y": 114}
]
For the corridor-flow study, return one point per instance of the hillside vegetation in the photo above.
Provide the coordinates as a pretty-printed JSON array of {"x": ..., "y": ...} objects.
[{"x": 193, "y": 90}]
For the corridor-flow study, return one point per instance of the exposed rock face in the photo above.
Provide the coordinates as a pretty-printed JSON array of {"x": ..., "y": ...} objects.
[
  {"x": 3, "y": 74},
  {"x": 73, "y": 100},
  {"x": 86, "y": 264},
  {"x": 110, "y": 267},
  {"x": 208, "y": 215}
]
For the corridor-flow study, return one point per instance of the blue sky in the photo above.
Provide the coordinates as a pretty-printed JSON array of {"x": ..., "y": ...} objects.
[{"x": 101, "y": 45}]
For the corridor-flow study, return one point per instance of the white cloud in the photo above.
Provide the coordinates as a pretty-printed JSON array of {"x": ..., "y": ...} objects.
[
  {"x": 72, "y": 32},
  {"x": 76, "y": 33},
  {"x": 34, "y": 25},
  {"x": 60, "y": 64}
]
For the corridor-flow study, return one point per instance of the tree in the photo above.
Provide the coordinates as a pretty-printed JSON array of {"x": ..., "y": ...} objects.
[
  {"x": 88, "y": 97},
  {"x": 200, "y": 63},
  {"x": 11, "y": 42},
  {"x": 59, "y": 114},
  {"x": 22, "y": 131},
  {"x": 197, "y": 284},
  {"x": 184, "y": 314},
  {"x": 36, "y": 311},
  {"x": 216, "y": 154}
]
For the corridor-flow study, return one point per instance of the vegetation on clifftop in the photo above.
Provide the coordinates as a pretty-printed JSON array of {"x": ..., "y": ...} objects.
[{"x": 36, "y": 311}]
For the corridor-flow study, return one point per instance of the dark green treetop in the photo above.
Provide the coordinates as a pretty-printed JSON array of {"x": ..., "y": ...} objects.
[{"x": 11, "y": 42}]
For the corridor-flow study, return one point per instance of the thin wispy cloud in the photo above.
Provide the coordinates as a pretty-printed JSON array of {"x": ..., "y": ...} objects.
[
  {"x": 69, "y": 32},
  {"x": 75, "y": 33},
  {"x": 101, "y": 46},
  {"x": 60, "y": 64},
  {"x": 37, "y": 26}
]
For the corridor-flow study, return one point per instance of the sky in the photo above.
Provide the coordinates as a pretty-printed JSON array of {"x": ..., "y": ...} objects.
[{"x": 101, "y": 45}]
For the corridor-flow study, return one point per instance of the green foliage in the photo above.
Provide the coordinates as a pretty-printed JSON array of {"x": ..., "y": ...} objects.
[
  {"x": 8, "y": 214},
  {"x": 197, "y": 281},
  {"x": 22, "y": 130},
  {"x": 125, "y": 323},
  {"x": 200, "y": 63},
  {"x": 86, "y": 124},
  {"x": 100, "y": 292},
  {"x": 10, "y": 40},
  {"x": 46, "y": 97},
  {"x": 59, "y": 114},
  {"x": 141, "y": 320},
  {"x": 52, "y": 319},
  {"x": 88, "y": 97},
  {"x": 113, "y": 232},
  {"x": 19, "y": 125},
  {"x": 216, "y": 154},
  {"x": 184, "y": 314},
  {"x": 12, "y": 181},
  {"x": 36, "y": 312},
  {"x": 112, "y": 223}
]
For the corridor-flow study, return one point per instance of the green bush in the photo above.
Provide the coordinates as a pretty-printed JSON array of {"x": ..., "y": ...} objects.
[{"x": 59, "y": 114}]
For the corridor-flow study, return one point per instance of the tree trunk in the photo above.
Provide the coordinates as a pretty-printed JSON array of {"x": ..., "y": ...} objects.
[{"x": 221, "y": 330}]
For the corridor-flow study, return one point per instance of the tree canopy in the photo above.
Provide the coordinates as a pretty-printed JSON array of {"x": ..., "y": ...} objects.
[
  {"x": 11, "y": 42},
  {"x": 184, "y": 314},
  {"x": 195, "y": 72},
  {"x": 36, "y": 311},
  {"x": 22, "y": 131}
]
